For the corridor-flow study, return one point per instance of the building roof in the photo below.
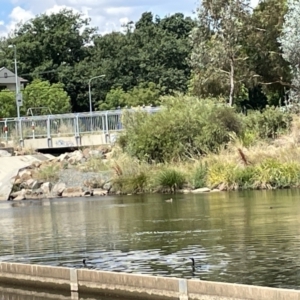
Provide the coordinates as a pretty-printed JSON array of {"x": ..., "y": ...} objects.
[{"x": 7, "y": 76}]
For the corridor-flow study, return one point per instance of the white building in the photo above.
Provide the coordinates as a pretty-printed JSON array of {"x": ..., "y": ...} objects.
[{"x": 8, "y": 81}]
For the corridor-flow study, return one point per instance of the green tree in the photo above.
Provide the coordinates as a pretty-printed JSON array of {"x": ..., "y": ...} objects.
[
  {"x": 144, "y": 94},
  {"x": 43, "y": 94},
  {"x": 265, "y": 56},
  {"x": 154, "y": 50},
  {"x": 51, "y": 47},
  {"x": 218, "y": 56},
  {"x": 7, "y": 104}
]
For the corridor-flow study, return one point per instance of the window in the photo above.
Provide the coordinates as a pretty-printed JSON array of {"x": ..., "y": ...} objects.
[
  {"x": 3, "y": 87},
  {"x": 5, "y": 75}
]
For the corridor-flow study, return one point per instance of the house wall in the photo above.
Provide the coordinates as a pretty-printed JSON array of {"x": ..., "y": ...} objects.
[{"x": 10, "y": 86}]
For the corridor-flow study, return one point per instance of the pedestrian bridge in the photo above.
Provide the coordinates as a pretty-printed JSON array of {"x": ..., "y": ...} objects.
[{"x": 65, "y": 130}]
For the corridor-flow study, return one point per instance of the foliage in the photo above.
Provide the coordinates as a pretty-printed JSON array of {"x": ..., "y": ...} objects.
[
  {"x": 141, "y": 95},
  {"x": 52, "y": 47},
  {"x": 43, "y": 94},
  {"x": 49, "y": 173},
  {"x": 199, "y": 176},
  {"x": 171, "y": 180},
  {"x": 272, "y": 75},
  {"x": 274, "y": 174},
  {"x": 7, "y": 104},
  {"x": 218, "y": 55},
  {"x": 290, "y": 44},
  {"x": 236, "y": 53},
  {"x": 131, "y": 176},
  {"x": 185, "y": 127},
  {"x": 268, "y": 123},
  {"x": 153, "y": 50}
]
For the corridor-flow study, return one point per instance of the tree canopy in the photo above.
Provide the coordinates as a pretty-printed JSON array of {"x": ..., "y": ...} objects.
[{"x": 229, "y": 50}]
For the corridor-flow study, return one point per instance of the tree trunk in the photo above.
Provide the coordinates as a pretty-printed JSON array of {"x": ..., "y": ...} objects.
[{"x": 231, "y": 82}]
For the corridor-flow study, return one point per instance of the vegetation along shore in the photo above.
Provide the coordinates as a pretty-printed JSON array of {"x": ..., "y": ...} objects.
[{"x": 230, "y": 152}]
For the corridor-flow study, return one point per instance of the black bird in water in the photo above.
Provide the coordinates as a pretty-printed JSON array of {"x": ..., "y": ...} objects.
[
  {"x": 193, "y": 265},
  {"x": 85, "y": 265}
]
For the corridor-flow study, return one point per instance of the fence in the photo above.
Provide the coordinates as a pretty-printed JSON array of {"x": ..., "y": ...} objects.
[{"x": 76, "y": 124}]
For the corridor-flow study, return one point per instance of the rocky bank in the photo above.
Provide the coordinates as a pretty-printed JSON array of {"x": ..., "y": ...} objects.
[{"x": 62, "y": 177}]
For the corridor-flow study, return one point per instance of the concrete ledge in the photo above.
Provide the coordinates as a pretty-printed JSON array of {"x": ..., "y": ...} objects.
[
  {"x": 34, "y": 275},
  {"x": 135, "y": 285},
  {"x": 125, "y": 284}
]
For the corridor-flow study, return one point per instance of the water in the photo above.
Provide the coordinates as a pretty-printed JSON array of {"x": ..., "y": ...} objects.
[{"x": 234, "y": 237}]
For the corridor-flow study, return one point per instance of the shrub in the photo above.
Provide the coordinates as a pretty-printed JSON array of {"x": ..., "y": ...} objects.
[
  {"x": 272, "y": 173},
  {"x": 170, "y": 180},
  {"x": 269, "y": 122},
  {"x": 131, "y": 176},
  {"x": 230, "y": 176},
  {"x": 184, "y": 127},
  {"x": 48, "y": 173},
  {"x": 199, "y": 176}
]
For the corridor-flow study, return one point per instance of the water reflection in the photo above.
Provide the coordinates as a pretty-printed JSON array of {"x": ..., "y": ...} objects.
[
  {"x": 17, "y": 293},
  {"x": 234, "y": 237}
]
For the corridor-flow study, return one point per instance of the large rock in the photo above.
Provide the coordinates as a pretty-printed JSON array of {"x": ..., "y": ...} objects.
[
  {"x": 63, "y": 157},
  {"x": 75, "y": 157},
  {"x": 19, "y": 196},
  {"x": 4, "y": 153},
  {"x": 58, "y": 189},
  {"x": 201, "y": 190},
  {"x": 46, "y": 188},
  {"x": 72, "y": 192},
  {"x": 86, "y": 153},
  {"x": 99, "y": 192},
  {"x": 25, "y": 175}
]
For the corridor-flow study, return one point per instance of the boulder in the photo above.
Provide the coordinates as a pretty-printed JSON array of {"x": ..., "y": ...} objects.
[
  {"x": 63, "y": 157},
  {"x": 28, "y": 183},
  {"x": 99, "y": 192},
  {"x": 75, "y": 157},
  {"x": 20, "y": 196},
  {"x": 36, "y": 164},
  {"x": 86, "y": 152},
  {"x": 184, "y": 191},
  {"x": 73, "y": 192},
  {"x": 58, "y": 189},
  {"x": 201, "y": 190},
  {"x": 4, "y": 153},
  {"x": 36, "y": 185},
  {"x": 46, "y": 188},
  {"x": 25, "y": 175}
]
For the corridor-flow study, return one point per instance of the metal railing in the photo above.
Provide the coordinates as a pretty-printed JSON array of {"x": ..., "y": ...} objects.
[{"x": 75, "y": 124}]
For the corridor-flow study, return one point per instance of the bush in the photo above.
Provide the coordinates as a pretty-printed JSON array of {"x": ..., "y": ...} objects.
[
  {"x": 269, "y": 122},
  {"x": 48, "y": 173},
  {"x": 170, "y": 180},
  {"x": 199, "y": 176},
  {"x": 131, "y": 176},
  {"x": 274, "y": 174},
  {"x": 185, "y": 127}
]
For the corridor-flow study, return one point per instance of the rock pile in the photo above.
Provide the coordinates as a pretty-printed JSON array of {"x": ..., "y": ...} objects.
[{"x": 65, "y": 179}]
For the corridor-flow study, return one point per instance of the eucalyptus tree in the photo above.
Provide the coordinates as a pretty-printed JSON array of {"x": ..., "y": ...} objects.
[
  {"x": 290, "y": 45},
  {"x": 218, "y": 56},
  {"x": 263, "y": 49}
]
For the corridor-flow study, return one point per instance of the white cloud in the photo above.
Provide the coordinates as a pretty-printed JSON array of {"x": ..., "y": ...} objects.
[{"x": 107, "y": 15}]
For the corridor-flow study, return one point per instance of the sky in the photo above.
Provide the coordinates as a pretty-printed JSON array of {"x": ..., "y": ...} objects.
[{"x": 107, "y": 15}]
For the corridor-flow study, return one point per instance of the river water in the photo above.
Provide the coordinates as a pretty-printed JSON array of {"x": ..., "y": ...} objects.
[{"x": 249, "y": 237}]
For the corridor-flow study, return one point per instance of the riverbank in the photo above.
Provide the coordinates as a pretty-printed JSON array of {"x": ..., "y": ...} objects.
[{"x": 102, "y": 171}]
